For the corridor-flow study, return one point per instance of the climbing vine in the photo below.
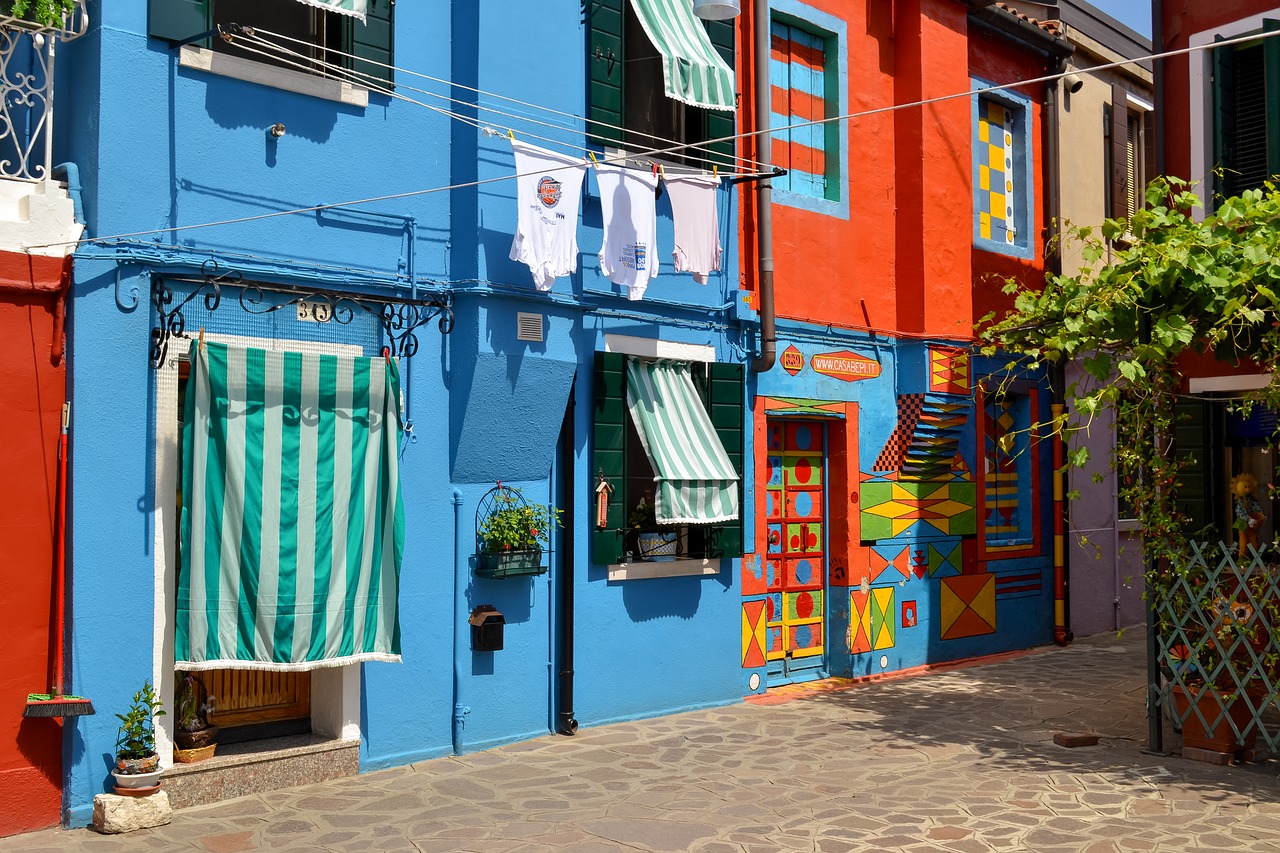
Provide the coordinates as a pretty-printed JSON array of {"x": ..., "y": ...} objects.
[{"x": 1176, "y": 284}]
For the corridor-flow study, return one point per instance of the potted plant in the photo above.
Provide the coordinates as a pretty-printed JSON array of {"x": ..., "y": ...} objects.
[
  {"x": 36, "y": 14},
  {"x": 195, "y": 738},
  {"x": 510, "y": 533},
  {"x": 646, "y": 538},
  {"x": 137, "y": 762}
]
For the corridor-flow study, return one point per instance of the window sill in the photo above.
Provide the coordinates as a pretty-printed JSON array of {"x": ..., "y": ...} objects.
[
  {"x": 813, "y": 204},
  {"x": 640, "y": 570},
  {"x": 202, "y": 59},
  {"x": 997, "y": 248}
]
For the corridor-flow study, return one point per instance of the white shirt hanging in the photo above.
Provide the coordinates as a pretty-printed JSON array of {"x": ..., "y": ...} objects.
[
  {"x": 548, "y": 192},
  {"x": 630, "y": 255},
  {"x": 693, "y": 206}
]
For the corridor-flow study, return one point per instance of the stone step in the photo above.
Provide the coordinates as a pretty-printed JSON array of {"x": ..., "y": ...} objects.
[{"x": 254, "y": 767}]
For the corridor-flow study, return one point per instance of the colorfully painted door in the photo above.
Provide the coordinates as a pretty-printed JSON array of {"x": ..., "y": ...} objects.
[{"x": 795, "y": 630}]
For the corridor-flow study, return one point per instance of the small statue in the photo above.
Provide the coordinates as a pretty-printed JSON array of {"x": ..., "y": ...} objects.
[{"x": 1248, "y": 510}]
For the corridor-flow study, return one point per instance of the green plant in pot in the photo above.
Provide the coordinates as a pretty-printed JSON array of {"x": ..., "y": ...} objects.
[
  {"x": 195, "y": 736},
  {"x": 137, "y": 762},
  {"x": 48, "y": 13},
  {"x": 512, "y": 532},
  {"x": 646, "y": 538}
]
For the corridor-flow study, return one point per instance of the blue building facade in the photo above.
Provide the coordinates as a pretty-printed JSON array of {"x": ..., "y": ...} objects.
[{"x": 209, "y": 179}]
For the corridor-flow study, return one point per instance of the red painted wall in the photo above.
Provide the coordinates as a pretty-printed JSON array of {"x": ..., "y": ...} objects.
[
  {"x": 32, "y": 390},
  {"x": 1182, "y": 19},
  {"x": 903, "y": 262}
]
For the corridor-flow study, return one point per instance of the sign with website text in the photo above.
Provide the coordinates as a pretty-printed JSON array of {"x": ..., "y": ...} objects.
[{"x": 844, "y": 365}]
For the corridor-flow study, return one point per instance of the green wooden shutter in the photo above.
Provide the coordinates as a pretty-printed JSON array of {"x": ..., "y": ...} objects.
[
  {"x": 609, "y": 454},
  {"x": 718, "y": 123},
  {"x": 374, "y": 41},
  {"x": 1193, "y": 435},
  {"x": 1224, "y": 115},
  {"x": 606, "y": 72},
  {"x": 725, "y": 402},
  {"x": 176, "y": 20},
  {"x": 1271, "y": 64}
]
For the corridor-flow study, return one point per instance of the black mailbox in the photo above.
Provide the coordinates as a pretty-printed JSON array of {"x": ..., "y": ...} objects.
[{"x": 486, "y": 629}]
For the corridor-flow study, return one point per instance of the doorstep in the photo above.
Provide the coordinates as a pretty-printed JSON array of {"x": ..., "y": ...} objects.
[{"x": 254, "y": 767}]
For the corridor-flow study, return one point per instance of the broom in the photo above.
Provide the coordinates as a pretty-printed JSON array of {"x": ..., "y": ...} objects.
[{"x": 55, "y": 703}]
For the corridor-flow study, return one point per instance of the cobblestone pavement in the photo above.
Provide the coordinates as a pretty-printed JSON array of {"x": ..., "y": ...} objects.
[{"x": 961, "y": 760}]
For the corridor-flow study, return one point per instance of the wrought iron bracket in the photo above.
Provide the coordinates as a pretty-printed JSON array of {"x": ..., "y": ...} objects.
[{"x": 399, "y": 317}]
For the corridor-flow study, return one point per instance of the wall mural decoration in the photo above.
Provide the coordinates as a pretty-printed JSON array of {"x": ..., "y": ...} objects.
[
  {"x": 909, "y": 614},
  {"x": 948, "y": 370},
  {"x": 944, "y": 558},
  {"x": 892, "y": 509},
  {"x": 967, "y": 606},
  {"x": 871, "y": 619},
  {"x": 753, "y": 633}
]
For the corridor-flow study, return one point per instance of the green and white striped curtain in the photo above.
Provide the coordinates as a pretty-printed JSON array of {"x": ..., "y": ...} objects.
[
  {"x": 292, "y": 517},
  {"x": 696, "y": 482},
  {"x": 693, "y": 71},
  {"x": 355, "y": 8}
]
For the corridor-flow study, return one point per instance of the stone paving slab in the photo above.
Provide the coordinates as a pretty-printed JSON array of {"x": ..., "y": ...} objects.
[{"x": 958, "y": 761}]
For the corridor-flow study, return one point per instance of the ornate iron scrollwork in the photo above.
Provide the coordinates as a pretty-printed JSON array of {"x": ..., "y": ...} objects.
[
  {"x": 169, "y": 320},
  {"x": 400, "y": 318}
]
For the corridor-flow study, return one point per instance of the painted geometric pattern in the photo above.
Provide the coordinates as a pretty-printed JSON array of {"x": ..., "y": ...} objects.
[
  {"x": 910, "y": 617},
  {"x": 802, "y": 406},
  {"x": 967, "y": 606},
  {"x": 872, "y": 625},
  {"x": 926, "y": 441},
  {"x": 884, "y": 559},
  {"x": 890, "y": 509},
  {"x": 1028, "y": 585},
  {"x": 1001, "y": 476},
  {"x": 993, "y": 201},
  {"x": 753, "y": 633},
  {"x": 944, "y": 559},
  {"x": 948, "y": 370}
]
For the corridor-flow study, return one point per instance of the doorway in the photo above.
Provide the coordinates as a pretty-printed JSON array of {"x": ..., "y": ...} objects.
[{"x": 796, "y": 512}]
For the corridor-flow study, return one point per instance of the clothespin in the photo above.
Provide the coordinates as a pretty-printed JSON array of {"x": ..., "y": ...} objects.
[
  {"x": 715, "y": 170},
  {"x": 511, "y": 134},
  {"x": 662, "y": 172},
  {"x": 200, "y": 342},
  {"x": 386, "y": 353},
  {"x": 656, "y": 167},
  {"x": 594, "y": 161}
]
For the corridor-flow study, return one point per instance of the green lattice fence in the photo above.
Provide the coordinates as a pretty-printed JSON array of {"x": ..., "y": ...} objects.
[{"x": 1218, "y": 624}]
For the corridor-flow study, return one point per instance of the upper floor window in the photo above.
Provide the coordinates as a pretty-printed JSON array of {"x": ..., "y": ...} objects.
[
  {"x": 328, "y": 38},
  {"x": 1246, "y": 102},
  {"x": 1002, "y": 181},
  {"x": 660, "y": 77}
]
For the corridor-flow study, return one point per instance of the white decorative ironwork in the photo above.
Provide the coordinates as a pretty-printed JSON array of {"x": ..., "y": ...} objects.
[{"x": 26, "y": 92}]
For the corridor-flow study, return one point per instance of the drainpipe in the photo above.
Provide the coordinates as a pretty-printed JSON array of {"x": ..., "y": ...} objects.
[
  {"x": 1157, "y": 42},
  {"x": 764, "y": 191},
  {"x": 1062, "y": 634},
  {"x": 461, "y": 628},
  {"x": 567, "y": 724}
]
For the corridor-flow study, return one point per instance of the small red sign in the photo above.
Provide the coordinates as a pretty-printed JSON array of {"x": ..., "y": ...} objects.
[
  {"x": 792, "y": 360},
  {"x": 846, "y": 366}
]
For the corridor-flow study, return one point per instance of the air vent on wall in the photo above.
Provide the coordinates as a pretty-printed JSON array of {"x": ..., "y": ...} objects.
[{"x": 528, "y": 327}]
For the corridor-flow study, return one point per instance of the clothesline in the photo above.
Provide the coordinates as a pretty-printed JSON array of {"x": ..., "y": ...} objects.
[
  {"x": 372, "y": 82},
  {"x": 749, "y": 134}
]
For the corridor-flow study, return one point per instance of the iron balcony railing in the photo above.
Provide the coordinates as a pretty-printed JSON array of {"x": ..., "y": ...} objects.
[{"x": 26, "y": 91}]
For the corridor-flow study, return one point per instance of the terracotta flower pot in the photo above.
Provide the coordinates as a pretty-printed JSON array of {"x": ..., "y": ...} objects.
[{"x": 1219, "y": 711}]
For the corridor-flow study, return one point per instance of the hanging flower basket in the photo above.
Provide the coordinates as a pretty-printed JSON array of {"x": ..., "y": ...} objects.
[{"x": 511, "y": 533}]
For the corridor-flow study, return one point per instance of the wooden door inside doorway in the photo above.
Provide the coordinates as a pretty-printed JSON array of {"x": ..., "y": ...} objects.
[{"x": 249, "y": 697}]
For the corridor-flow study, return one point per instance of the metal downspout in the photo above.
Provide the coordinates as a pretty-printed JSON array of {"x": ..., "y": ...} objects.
[
  {"x": 764, "y": 191},
  {"x": 461, "y": 627},
  {"x": 1062, "y": 634},
  {"x": 1158, "y": 74}
]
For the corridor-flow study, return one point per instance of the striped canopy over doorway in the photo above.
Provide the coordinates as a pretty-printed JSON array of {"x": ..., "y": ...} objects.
[
  {"x": 692, "y": 70},
  {"x": 696, "y": 482},
  {"x": 292, "y": 519},
  {"x": 355, "y": 8}
]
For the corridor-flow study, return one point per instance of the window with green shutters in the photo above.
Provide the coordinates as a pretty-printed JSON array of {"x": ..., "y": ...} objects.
[
  {"x": 329, "y": 36},
  {"x": 618, "y": 457},
  {"x": 625, "y": 90},
  {"x": 1246, "y": 101}
]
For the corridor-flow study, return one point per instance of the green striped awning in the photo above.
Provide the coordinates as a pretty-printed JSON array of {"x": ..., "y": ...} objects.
[
  {"x": 292, "y": 518},
  {"x": 355, "y": 8},
  {"x": 696, "y": 481},
  {"x": 694, "y": 73}
]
